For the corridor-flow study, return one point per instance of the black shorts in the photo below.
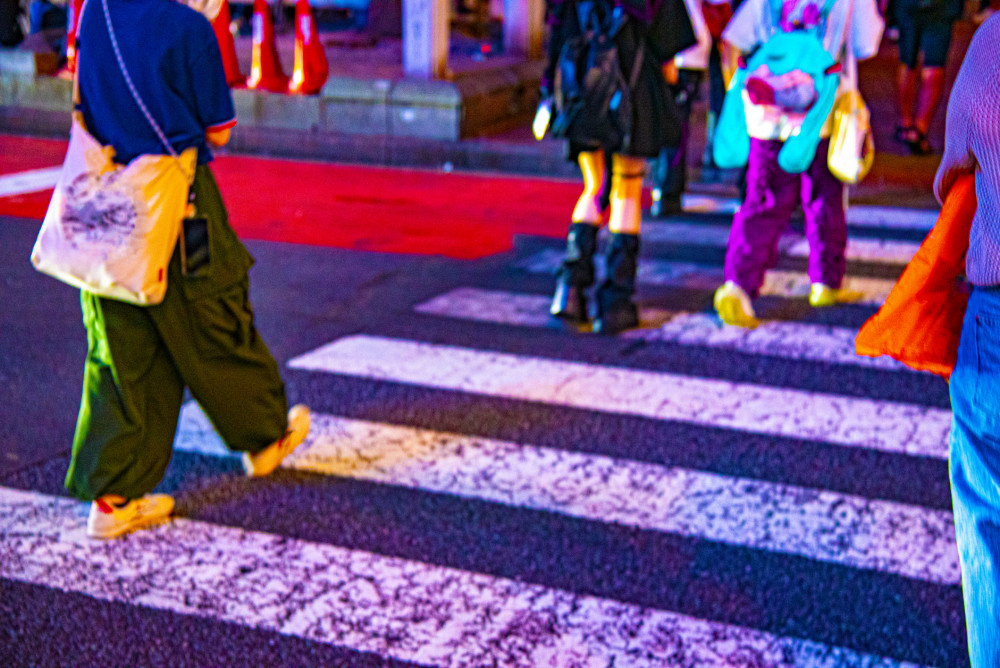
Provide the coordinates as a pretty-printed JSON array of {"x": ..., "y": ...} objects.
[{"x": 928, "y": 33}]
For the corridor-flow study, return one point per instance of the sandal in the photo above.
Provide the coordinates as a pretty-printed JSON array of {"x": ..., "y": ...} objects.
[
  {"x": 904, "y": 133},
  {"x": 918, "y": 143}
]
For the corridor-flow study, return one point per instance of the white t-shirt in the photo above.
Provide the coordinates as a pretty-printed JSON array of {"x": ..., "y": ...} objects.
[
  {"x": 853, "y": 33},
  {"x": 852, "y": 25}
]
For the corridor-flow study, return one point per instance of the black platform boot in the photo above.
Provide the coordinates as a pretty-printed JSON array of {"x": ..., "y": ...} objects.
[
  {"x": 576, "y": 274},
  {"x": 616, "y": 311}
]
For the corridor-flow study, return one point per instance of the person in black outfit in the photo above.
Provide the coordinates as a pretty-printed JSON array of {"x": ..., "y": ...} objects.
[
  {"x": 10, "y": 30},
  {"x": 662, "y": 28},
  {"x": 925, "y": 26}
]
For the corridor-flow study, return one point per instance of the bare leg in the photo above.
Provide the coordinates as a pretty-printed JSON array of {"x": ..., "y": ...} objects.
[
  {"x": 907, "y": 82},
  {"x": 931, "y": 92}
]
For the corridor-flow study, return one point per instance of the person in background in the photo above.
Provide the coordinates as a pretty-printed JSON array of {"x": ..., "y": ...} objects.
[
  {"x": 972, "y": 146},
  {"x": 925, "y": 27},
  {"x": 661, "y": 29},
  {"x": 684, "y": 76},
  {"x": 717, "y": 14},
  {"x": 11, "y": 33},
  {"x": 202, "y": 336},
  {"x": 846, "y": 26}
]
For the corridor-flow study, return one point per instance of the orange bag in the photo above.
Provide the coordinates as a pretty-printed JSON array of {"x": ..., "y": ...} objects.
[{"x": 921, "y": 321}]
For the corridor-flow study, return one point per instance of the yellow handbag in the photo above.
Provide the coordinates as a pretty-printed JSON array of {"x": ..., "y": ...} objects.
[
  {"x": 852, "y": 147},
  {"x": 111, "y": 229}
]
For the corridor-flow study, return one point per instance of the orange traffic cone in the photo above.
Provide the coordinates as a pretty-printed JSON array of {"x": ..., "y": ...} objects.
[
  {"x": 221, "y": 26},
  {"x": 73, "y": 24},
  {"x": 265, "y": 69},
  {"x": 311, "y": 69}
]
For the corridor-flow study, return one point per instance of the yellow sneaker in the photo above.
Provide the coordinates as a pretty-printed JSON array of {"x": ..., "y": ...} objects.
[
  {"x": 109, "y": 519},
  {"x": 732, "y": 303},
  {"x": 257, "y": 464},
  {"x": 823, "y": 295}
]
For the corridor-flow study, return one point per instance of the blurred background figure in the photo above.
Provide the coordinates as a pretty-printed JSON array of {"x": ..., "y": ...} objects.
[
  {"x": 619, "y": 111},
  {"x": 789, "y": 139},
  {"x": 925, "y": 28},
  {"x": 11, "y": 33},
  {"x": 684, "y": 76}
]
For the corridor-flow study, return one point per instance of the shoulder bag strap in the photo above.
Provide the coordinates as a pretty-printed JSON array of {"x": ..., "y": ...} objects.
[{"x": 135, "y": 93}]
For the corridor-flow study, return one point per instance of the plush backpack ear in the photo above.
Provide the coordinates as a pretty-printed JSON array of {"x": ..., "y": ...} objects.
[
  {"x": 731, "y": 145},
  {"x": 799, "y": 151}
]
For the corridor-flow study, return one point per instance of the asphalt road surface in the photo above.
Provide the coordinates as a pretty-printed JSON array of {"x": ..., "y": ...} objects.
[{"x": 483, "y": 487}]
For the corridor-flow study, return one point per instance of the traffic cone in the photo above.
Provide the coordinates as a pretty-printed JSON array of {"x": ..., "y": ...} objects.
[
  {"x": 72, "y": 25},
  {"x": 221, "y": 24},
  {"x": 311, "y": 69},
  {"x": 265, "y": 69}
]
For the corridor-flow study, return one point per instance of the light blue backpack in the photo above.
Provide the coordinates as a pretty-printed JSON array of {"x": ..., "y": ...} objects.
[{"x": 797, "y": 51}]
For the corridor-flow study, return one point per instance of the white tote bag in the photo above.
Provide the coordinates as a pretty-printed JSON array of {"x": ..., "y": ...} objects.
[{"x": 111, "y": 229}]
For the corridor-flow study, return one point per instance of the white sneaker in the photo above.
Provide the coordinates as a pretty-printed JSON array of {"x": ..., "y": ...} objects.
[
  {"x": 262, "y": 463},
  {"x": 108, "y": 520}
]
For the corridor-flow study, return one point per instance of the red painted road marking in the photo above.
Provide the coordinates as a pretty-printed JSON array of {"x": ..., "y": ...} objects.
[{"x": 366, "y": 208}]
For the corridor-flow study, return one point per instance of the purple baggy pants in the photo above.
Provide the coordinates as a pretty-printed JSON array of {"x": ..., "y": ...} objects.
[{"x": 772, "y": 196}]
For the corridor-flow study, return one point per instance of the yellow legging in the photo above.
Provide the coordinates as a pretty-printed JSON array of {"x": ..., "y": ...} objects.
[{"x": 626, "y": 191}]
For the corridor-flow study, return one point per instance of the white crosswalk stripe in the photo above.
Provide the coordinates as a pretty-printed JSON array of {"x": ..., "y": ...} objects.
[
  {"x": 838, "y": 528},
  {"x": 31, "y": 181},
  {"x": 434, "y": 615},
  {"x": 794, "y": 245},
  {"x": 791, "y": 340},
  {"x": 876, "y": 217},
  {"x": 393, "y": 607},
  {"x": 879, "y": 425},
  {"x": 778, "y": 283}
]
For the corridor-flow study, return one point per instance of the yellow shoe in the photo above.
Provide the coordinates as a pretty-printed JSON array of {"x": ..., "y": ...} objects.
[
  {"x": 257, "y": 464},
  {"x": 732, "y": 303},
  {"x": 823, "y": 295}
]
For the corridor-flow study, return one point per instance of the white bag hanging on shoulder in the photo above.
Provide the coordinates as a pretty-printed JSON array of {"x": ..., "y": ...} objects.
[{"x": 111, "y": 229}]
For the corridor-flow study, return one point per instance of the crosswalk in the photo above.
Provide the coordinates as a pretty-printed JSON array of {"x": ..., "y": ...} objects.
[{"x": 422, "y": 542}]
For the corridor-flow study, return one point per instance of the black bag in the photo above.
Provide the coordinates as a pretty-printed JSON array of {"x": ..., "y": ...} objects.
[{"x": 593, "y": 101}]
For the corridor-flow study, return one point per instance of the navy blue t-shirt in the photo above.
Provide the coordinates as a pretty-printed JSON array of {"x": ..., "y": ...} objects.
[{"x": 174, "y": 61}]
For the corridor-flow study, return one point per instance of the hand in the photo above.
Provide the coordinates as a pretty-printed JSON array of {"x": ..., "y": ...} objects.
[{"x": 670, "y": 73}]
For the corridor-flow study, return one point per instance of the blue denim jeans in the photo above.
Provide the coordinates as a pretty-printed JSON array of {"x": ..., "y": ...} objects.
[{"x": 975, "y": 472}]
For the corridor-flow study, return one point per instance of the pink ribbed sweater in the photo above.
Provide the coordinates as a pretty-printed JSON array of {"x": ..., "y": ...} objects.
[{"x": 972, "y": 144}]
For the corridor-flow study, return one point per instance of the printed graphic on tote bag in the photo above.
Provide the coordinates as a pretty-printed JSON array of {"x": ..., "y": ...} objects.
[{"x": 101, "y": 210}]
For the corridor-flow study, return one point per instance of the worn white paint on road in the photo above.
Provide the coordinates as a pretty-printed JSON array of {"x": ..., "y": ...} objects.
[
  {"x": 392, "y": 607},
  {"x": 760, "y": 409},
  {"x": 791, "y": 340}
]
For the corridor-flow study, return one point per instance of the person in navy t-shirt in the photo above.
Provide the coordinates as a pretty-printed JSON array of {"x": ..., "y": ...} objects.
[{"x": 202, "y": 336}]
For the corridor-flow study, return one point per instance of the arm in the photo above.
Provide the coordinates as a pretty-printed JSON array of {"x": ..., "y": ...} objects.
[
  {"x": 211, "y": 99},
  {"x": 562, "y": 22},
  {"x": 966, "y": 97},
  {"x": 867, "y": 25},
  {"x": 218, "y": 137},
  {"x": 748, "y": 29}
]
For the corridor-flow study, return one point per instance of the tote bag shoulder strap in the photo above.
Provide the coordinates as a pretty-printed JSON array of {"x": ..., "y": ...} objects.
[{"x": 160, "y": 134}]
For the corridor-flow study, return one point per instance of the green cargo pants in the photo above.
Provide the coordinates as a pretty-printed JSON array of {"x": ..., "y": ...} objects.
[{"x": 139, "y": 360}]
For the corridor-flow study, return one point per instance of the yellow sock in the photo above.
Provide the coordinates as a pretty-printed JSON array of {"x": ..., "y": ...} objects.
[
  {"x": 592, "y": 166},
  {"x": 626, "y": 194}
]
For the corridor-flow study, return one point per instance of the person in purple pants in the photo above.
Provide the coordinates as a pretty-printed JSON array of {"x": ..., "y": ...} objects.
[{"x": 853, "y": 29}]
